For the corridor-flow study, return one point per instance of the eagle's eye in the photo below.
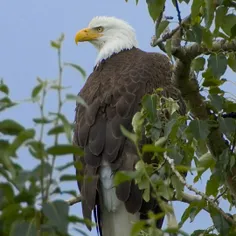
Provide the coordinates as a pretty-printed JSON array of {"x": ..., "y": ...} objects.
[{"x": 99, "y": 29}]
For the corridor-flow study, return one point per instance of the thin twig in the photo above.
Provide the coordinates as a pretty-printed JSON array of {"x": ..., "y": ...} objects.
[
  {"x": 156, "y": 42},
  {"x": 60, "y": 103},
  {"x": 178, "y": 12},
  {"x": 191, "y": 188},
  {"x": 220, "y": 195},
  {"x": 42, "y": 160}
]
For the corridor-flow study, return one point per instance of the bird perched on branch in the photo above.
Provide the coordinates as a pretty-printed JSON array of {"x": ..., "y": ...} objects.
[{"x": 122, "y": 75}]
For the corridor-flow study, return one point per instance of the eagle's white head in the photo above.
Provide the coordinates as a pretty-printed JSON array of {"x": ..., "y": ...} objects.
[{"x": 109, "y": 35}]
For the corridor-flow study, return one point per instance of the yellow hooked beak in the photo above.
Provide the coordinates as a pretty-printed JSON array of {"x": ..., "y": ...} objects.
[{"x": 86, "y": 34}]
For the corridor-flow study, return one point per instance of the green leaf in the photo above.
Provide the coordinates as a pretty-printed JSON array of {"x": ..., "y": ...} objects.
[
  {"x": 161, "y": 141},
  {"x": 171, "y": 105},
  {"x": 161, "y": 27},
  {"x": 19, "y": 140},
  {"x": 207, "y": 37},
  {"x": 4, "y": 88},
  {"x": 178, "y": 186},
  {"x": 198, "y": 64},
  {"x": 149, "y": 103},
  {"x": 192, "y": 210},
  {"x": 146, "y": 194},
  {"x": 221, "y": 11},
  {"x": 55, "y": 44},
  {"x": 212, "y": 81},
  {"x": 58, "y": 129},
  {"x": 42, "y": 170},
  {"x": 233, "y": 31},
  {"x": 67, "y": 127},
  {"x": 137, "y": 228},
  {"x": 10, "y": 127},
  {"x": 6, "y": 190},
  {"x": 199, "y": 129},
  {"x": 216, "y": 90},
  {"x": 122, "y": 176},
  {"x": 219, "y": 221},
  {"x": 37, "y": 89},
  {"x": 227, "y": 125},
  {"x": 78, "y": 99},
  {"x": 137, "y": 123},
  {"x": 152, "y": 148},
  {"x": 232, "y": 61},
  {"x": 63, "y": 149},
  {"x": 37, "y": 149},
  {"x": 195, "y": 9},
  {"x": 129, "y": 135},
  {"x": 57, "y": 213},
  {"x": 155, "y": 7},
  {"x": 23, "y": 228},
  {"x": 210, "y": 9},
  {"x": 229, "y": 106},
  {"x": 217, "y": 101},
  {"x": 6, "y": 103},
  {"x": 11, "y": 210},
  {"x": 218, "y": 64},
  {"x": 68, "y": 178},
  {"x": 199, "y": 232},
  {"x": 20, "y": 178},
  {"x": 212, "y": 185},
  {"x": 195, "y": 34},
  {"x": 228, "y": 22},
  {"x": 42, "y": 120},
  {"x": 166, "y": 191},
  {"x": 77, "y": 67},
  {"x": 205, "y": 162}
]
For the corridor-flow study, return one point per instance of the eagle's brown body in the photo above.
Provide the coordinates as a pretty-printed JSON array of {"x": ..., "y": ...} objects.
[{"x": 113, "y": 93}]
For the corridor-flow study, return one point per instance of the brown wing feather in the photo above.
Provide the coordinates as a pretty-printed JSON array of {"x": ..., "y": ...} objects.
[{"x": 113, "y": 93}]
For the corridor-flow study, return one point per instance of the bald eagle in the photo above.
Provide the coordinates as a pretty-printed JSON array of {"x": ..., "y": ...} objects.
[{"x": 122, "y": 75}]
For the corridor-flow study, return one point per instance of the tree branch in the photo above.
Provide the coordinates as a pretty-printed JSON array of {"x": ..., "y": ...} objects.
[
  {"x": 188, "y": 53},
  {"x": 74, "y": 200},
  {"x": 191, "y": 188},
  {"x": 188, "y": 198}
]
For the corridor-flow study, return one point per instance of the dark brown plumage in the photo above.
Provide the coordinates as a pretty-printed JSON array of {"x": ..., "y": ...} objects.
[{"x": 113, "y": 93}]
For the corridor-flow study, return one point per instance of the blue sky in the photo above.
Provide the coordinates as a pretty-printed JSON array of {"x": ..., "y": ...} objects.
[{"x": 25, "y": 53}]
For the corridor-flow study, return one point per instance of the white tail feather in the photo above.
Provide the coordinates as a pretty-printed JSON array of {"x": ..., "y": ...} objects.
[{"x": 116, "y": 221}]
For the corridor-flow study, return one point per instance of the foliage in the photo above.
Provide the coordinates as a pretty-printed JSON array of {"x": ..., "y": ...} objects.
[
  {"x": 201, "y": 41},
  {"x": 179, "y": 143},
  {"x": 26, "y": 202}
]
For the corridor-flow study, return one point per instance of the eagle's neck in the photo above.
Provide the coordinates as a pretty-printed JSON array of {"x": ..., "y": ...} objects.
[{"x": 114, "y": 46}]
